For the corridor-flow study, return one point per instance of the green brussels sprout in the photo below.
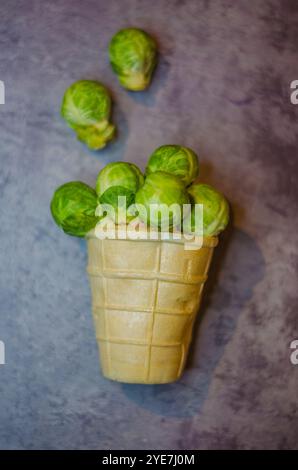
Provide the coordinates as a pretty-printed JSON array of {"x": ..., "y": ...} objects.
[
  {"x": 174, "y": 159},
  {"x": 73, "y": 208},
  {"x": 120, "y": 199},
  {"x": 86, "y": 107},
  {"x": 119, "y": 180},
  {"x": 139, "y": 174},
  {"x": 215, "y": 208},
  {"x": 162, "y": 190},
  {"x": 133, "y": 56},
  {"x": 123, "y": 174}
]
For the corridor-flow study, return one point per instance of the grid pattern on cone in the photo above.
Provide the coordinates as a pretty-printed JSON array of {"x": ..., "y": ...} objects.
[
  {"x": 145, "y": 297},
  {"x": 151, "y": 327}
]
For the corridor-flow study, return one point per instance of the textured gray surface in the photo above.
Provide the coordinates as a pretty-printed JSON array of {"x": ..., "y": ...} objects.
[{"x": 221, "y": 87}]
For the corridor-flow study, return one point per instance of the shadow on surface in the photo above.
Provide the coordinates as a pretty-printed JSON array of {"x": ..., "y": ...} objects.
[{"x": 238, "y": 266}]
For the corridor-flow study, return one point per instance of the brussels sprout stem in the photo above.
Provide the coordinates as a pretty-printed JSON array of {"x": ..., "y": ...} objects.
[
  {"x": 97, "y": 136},
  {"x": 101, "y": 126},
  {"x": 134, "y": 82}
]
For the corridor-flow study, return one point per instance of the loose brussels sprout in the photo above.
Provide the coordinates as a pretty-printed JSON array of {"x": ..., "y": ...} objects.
[
  {"x": 133, "y": 56},
  {"x": 86, "y": 107},
  {"x": 73, "y": 208},
  {"x": 126, "y": 175},
  {"x": 215, "y": 208},
  {"x": 162, "y": 190},
  {"x": 174, "y": 159}
]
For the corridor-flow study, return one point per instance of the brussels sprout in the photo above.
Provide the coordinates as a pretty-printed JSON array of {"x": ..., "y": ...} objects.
[
  {"x": 162, "y": 190},
  {"x": 73, "y": 208},
  {"x": 139, "y": 174},
  {"x": 174, "y": 159},
  {"x": 126, "y": 175},
  {"x": 133, "y": 56},
  {"x": 215, "y": 208},
  {"x": 86, "y": 107},
  {"x": 120, "y": 199}
]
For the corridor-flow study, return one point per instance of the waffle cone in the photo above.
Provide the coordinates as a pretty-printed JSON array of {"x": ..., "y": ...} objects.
[{"x": 145, "y": 297}]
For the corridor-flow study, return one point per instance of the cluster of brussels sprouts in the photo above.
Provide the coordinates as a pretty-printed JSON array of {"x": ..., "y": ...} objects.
[
  {"x": 86, "y": 105},
  {"x": 170, "y": 173},
  {"x": 168, "y": 180}
]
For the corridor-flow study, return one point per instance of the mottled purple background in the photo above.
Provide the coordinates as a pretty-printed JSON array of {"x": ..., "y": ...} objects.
[{"x": 222, "y": 87}]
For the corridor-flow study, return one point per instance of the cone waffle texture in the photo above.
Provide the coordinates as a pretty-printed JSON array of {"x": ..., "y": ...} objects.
[{"x": 145, "y": 297}]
